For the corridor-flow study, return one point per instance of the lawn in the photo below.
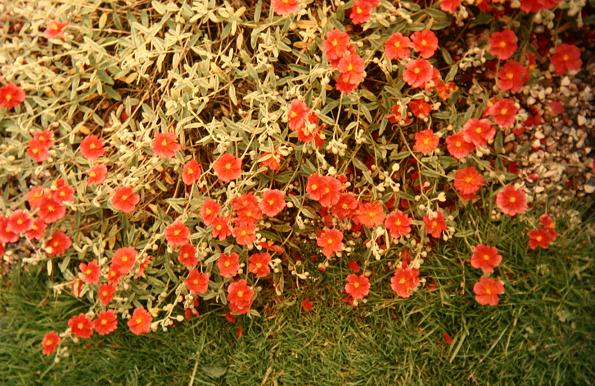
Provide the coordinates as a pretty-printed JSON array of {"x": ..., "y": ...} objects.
[{"x": 541, "y": 333}]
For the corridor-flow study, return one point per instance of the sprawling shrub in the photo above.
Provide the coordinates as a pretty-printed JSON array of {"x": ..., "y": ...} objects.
[{"x": 156, "y": 155}]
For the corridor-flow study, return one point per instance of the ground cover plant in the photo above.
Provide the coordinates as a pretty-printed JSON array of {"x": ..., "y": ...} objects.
[{"x": 168, "y": 163}]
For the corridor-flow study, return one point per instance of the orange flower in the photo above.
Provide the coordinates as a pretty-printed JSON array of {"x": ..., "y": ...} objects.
[
  {"x": 450, "y": 6},
  {"x": 140, "y": 322},
  {"x": 165, "y": 145},
  {"x": 90, "y": 272},
  {"x": 246, "y": 207},
  {"x": 54, "y": 29},
  {"x": 370, "y": 214},
  {"x": 512, "y": 76},
  {"x": 272, "y": 202},
  {"x": 336, "y": 44},
  {"x": 97, "y": 174},
  {"x": 105, "y": 293},
  {"x": 540, "y": 237},
  {"x": 19, "y": 221},
  {"x": 187, "y": 255},
  {"x": 124, "y": 199},
  {"x": 176, "y": 234},
  {"x": 6, "y": 235},
  {"x": 297, "y": 114},
  {"x": 468, "y": 181},
  {"x": 503, "y": 44},
  {"x": 228, "y": 265},
  {"x": 220, "y": 228},
  {"x": 259, "y": 264},
  {"x": 123, "y": 260},
  {"x": 191, "y": 172},
  {"x": 566, "y": 57},
  {"x": 38, "y": 150},
  {"x": 457, "y": 146},
  {"x": 240, "y": 296},
  {"x": 92, "y": 147},
  {"x": 511, "y": 201},
  {"x": 106, "y": 322},
  {"x": 331, "y": 241},
  {"x": 352, "y": 72},
  {"x": 478, "y": 131},
  {"x": 435, "y": 225},
  {"x": 51, "y": 210},
  {"x": 227, "y": 167},
  {"x": 487, "y": 291},
  {"x": 37, "y": 230},
  {"x": 284, "y": 7},
  {"x": 81, "y": 326},
  {"x": 426, "y": 141},
  {"x": 398, "y": 224},
  {"x": 503, "y": 112},
  {"x": 209, "y": 210},
  {"x": 358, "y": 286},
  {"x": 404, "y": 281},
  {"x": 485, "y": 257},
  {"x": 197, "y": 282},
  {"x": 11, "y": 96},
  {"x": 57, "y": 244},
  {"x": 346, "y": 206},
  {"x": 50, "y": 343},
  {"x": 397, "y": 46},
  {"x": 360, "y": 12},
  {"x": 417, "y": 72},
  {"x": 244, "y": 232},
  {"x": 34, "y": 196},
  {"x": 425, "y": 42}
]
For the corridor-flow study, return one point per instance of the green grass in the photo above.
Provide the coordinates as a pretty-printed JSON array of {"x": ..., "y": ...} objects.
[{"x": 541, "y": 333}]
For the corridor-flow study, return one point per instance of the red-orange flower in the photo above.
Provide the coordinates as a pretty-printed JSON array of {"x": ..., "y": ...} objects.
[
  {"x": 404, "y": 281},
  {"x": 503, "y": 112},
  {"x": 81, "y": 326},
  {"x": 34, "y": 196},
  {"x": 176, "y": 234},
  {"x": 331, "y": 241},
  {"x": 220, "y": 227},
  {"x": 345, "y": 206},
  {"x": 57, "y": 244},
  {"x": 325, "y": 189},
  {"x": 54, "y": 29},
  {"x": 397, "y": 46},
  {"x": 97, "y": 174},
  {"x": 46, "y": 137},
  {"x": 485, "y": 257},
  {"x": 284, "y": 7},
  {"x": 418, "y": 72},
  {"x": 191, "y": 172},
  {"x": 259, "y": 264},
  {"x": 352, "y": 70},
  {"x": 165, "y": 145},
  {"x": 124, "y": 199},
  {"x": 503, "y": 44},
  {"x": 106, "y": 322},
  {"x": 478, "y": 131},
  {"x": 398, "y": 224},
  {"x": 457, "y": 146},
  {"x": 19, "y": 221},
  {"x": 187, "y": 255},
  {"x": 360, "y": 12},
  {"x": 435, "y": 224},
  {"x": 358, "y": 286},
  {"x": 209, "y": 210},
  {"x": 51, "y": 210},
  {"x": 450, "y": 6},
  {"x": 246, "y": 207},
  {"x": 336, "y": 44},
  {"x": 244, "y": 232},
  {"x": 426, "y": 141},
  {"x": 92, "y": 147},
  {"x": 37, "y": 150},
  {"x": 90, "y": 272},
  {"x": 50, "y": 343},
  {"x": 197, "y": 282},
  {"x": 566, "y": 57},
  {"x": 297, "y": 114},
  {"x": 370, "y": 214},
  {"x": 105, "y": 293},
  {"x": 11, "y": 96},
  {"x": 37, "y": 230},
  {"x": 540, "y": 237},
  {"x": 140, "y": 322},
  {"x": 487, "y": 291},
  {"x": 62, "y": 191},
  {"x": 512, "y": 76},
  {"x": 123, "y": 260},
  {"x": 228, "y": 265},
  {"x": 227, "y": 167},
  {"x": 467, "y": 181},
  {"x": 425, "y": 42},
  {"x": 240, "y": 296},
  {"x": 6, "y": 235},
  {"x": 511, "y": 201},
  {"x": 272, "y": 202}
]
